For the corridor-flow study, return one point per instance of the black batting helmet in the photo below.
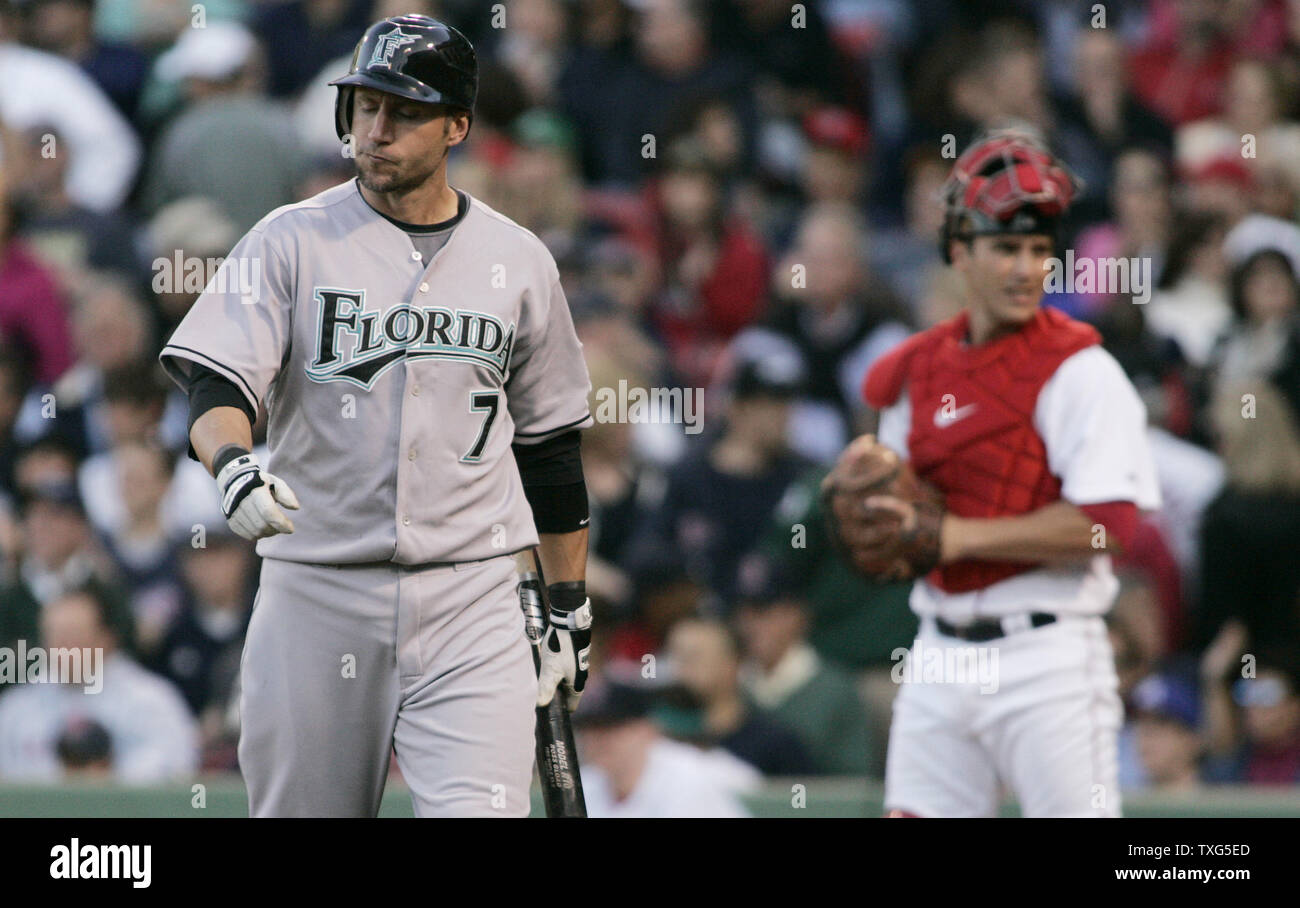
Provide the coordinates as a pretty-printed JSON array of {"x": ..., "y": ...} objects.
[{"x": 413, "y": 57}]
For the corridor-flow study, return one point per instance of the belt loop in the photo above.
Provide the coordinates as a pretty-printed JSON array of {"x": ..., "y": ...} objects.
[{"x": 1012, "y": 624}]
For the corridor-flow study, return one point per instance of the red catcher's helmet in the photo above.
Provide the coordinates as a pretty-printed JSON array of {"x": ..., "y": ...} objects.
[{"x": 1006, "y": 182}]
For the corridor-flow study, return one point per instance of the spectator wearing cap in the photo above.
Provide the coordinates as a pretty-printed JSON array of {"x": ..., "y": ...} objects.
[
  {"x": 191, "y": 230},
  {"x": 1255, "y": 102},
  {"x": 1163, "y": 717},
  {"x": 704, "y": 658},
  {"x": 201, "y": 652},
  {"x": 37, "y": 89},
  {"x": 629, "y": 769},
  {"x": 837, "y": 315},
  {"x": 1221, "y": 185},
  {"x": 1263, "y": 341},
  {"x": 785, "y": 678},
  {"x": 46, "y": 462},
  {"x": 717, "y": 500},
  {"x": 661, "y": 593},
  {"x": 835, "y": 164},
  {"x": 1254, "y": 721},
  {"x": 85, "y": 749},
  {"x": 67, "y": 28},
  {"x": 229, "y": 143},
  {"x": 154, "y": 738},
  {"x": 539, "y": 185},
  {"x": 58, "y": 553},
  {"x": 627, "y": 275}
]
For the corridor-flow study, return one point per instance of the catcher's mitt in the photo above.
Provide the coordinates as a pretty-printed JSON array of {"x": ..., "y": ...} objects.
[{"x": 890, "y": 543}]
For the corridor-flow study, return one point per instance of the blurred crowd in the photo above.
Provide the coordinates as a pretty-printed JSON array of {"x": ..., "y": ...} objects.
[{"x": 741, "y": 198}]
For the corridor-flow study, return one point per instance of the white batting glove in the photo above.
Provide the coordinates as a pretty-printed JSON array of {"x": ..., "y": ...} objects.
[
  {"x": 251, "y": 499},
  {"x": 567, "y": 644}
]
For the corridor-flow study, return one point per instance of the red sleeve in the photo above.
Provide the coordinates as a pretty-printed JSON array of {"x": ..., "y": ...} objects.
[
  {"x": 884, "y": 380},
  {"x": 1120, "y": 518}
]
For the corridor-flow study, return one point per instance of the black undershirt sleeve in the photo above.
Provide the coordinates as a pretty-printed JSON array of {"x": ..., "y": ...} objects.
[
  {"x": 553, "y": 483},
  {"x": 207, "y": 389}
]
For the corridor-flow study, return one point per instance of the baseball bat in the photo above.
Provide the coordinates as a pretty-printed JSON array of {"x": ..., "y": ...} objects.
[{"x": 557, "y": 755}]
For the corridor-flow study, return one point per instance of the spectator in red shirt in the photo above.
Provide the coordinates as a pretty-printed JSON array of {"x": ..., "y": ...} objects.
[
  {"x": 715, "y": 266},
  {"x": 32, "y": 315},
  {"x": 1181, "y": 76}
]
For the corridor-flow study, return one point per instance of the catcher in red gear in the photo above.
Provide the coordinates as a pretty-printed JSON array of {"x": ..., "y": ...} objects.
[{"x": 1010, "y": 461}]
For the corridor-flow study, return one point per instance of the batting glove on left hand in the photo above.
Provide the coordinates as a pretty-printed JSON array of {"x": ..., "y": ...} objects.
[{"x": 567, "y": 644}]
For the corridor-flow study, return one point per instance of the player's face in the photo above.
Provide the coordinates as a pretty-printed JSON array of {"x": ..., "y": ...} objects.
[
  {"x": 401, "y": 143},
  {"x": 1004, "y": 275}
]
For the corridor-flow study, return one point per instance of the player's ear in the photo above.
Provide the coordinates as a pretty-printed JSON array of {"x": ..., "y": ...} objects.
[{"x": 458, "y": 127}]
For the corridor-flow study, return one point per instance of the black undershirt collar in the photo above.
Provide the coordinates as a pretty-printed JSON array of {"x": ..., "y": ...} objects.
[{"x": 462, "y": 206}]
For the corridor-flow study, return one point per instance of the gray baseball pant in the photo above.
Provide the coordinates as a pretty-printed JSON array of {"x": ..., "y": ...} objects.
[{"x": 344, "y": 664}]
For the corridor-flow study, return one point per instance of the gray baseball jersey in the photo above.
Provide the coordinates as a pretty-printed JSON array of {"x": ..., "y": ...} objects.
[{"x": 395, "y": 386}]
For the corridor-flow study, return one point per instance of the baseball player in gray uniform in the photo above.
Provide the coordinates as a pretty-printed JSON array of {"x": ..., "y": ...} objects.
[{"x": 425, "y": 392}]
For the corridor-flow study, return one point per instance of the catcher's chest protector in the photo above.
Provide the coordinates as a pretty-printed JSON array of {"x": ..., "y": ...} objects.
[{"x": 973, "y": 431}]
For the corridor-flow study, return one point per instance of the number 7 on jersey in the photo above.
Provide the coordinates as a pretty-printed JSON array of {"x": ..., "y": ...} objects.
[{"x": 482, "y": 402}]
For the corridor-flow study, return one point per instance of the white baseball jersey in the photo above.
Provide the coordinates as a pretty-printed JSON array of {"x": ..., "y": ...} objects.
[
  {"x": 1094, "y": 427},
  {"x": 395, "y": 386}
]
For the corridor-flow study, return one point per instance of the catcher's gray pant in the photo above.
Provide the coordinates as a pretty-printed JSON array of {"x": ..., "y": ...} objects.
[{"x": 344, "y": 664}]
